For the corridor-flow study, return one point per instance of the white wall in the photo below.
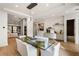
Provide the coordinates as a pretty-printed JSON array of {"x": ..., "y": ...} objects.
[
  {"x": 3, "y": 31},
  {"x": 77, "y": 28},
  {"x": 49, "y": 22}
]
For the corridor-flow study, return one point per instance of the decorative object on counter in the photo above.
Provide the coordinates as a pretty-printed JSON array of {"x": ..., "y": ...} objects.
[
  {"x": 55, "y": 32},
  {"x": 61, "y": 31},
  {"x": 41, "y": 26},
  {"x": 48, "y": 29}
]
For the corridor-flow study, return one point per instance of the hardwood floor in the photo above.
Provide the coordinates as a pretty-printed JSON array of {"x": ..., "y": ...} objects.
[
  {"x": 9, "y": 50},
  {"x": 66, "y": 49},
  {"x": 69, "y": 49}
]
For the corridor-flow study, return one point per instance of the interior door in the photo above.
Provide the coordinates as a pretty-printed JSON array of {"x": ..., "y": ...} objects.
[
  {"x": 70, "y": 27},
  {"x": 70, "y": 30}
]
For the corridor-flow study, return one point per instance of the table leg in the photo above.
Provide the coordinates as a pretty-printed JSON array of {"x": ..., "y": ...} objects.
[{"x": 38, "y": 51}]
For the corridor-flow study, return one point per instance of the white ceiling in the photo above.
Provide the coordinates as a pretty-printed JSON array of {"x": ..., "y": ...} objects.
[{"x": 42, "y": 10}]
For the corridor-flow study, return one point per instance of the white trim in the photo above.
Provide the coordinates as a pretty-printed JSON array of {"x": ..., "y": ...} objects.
[
  {"x": 69, "y": 17},
  {"x": 15, "y": 12},
  {"x": 4, "y": 45}
]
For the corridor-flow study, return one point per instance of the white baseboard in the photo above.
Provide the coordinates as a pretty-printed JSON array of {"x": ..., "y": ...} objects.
[{"x": 3, "y": 45}]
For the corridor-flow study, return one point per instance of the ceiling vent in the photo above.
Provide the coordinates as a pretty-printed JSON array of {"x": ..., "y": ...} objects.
[{"x": 32, "y": 5}]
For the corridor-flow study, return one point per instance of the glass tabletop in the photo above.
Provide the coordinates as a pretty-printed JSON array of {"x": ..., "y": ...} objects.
[{"x": 39, "y": 43}]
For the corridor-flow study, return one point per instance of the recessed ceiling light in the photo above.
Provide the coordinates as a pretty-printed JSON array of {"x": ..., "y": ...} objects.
[{"x": 16, "y": 6}]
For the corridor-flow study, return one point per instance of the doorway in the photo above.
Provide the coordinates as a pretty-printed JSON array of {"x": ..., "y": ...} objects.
[{"x": 70, "y": 30}]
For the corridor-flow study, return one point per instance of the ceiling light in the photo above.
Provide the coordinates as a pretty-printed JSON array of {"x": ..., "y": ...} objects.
[
  {"x": 16, "y": 6},
  {"x": 32, "y": 5}
]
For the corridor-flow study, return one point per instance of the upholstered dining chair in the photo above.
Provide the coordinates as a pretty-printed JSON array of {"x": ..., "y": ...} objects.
[
  {"x": 25, "y": 49},
  {"x": 51, "y": 51}
]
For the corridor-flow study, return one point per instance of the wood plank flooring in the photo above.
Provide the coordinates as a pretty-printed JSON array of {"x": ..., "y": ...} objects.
[
  {"x": 69, "y": 49},
  {"x": 66, "y": 49},
  {"x": 9, "y": 50}
]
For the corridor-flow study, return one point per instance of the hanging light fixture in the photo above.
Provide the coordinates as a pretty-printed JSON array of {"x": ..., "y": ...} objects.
[{"x": 30, "y": 6}]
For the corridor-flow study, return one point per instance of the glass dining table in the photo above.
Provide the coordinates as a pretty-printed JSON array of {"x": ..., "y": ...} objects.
[{"x": 40, "y": 44}]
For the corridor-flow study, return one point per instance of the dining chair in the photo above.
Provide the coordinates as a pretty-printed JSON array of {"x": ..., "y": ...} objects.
[
  {"x": 51, "y": 51},
  {"x": 25, "y": 49}
]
